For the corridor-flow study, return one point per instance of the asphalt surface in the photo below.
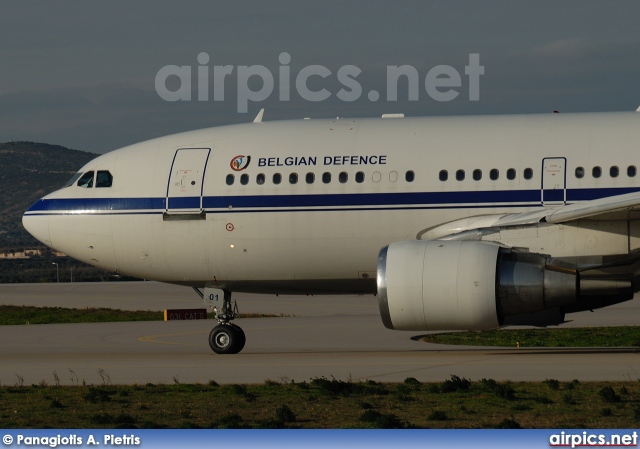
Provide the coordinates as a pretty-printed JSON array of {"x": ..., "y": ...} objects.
[{"x": 331, "y": 336}]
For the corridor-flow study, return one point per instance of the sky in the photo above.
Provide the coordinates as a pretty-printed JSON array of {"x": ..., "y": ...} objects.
[{"x": 87, "y": 74}]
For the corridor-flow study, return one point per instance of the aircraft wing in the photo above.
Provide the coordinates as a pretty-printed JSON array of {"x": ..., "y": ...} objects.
[
  {"x": 591, "y": 208},
  {"x": 473, "y": 228},
  {"x": 595, "y": 207}
]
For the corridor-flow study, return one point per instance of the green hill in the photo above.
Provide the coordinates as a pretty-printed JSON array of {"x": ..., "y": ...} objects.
[{"x": 28, "y": 171}]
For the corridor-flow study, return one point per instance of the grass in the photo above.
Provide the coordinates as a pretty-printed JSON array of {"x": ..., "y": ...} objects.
[
  {"x": 11, "y": 315},
  {"x": 15, "y": 315},
  {"x": 326, "y": 403},
  {"x": 535, "y": 338}
]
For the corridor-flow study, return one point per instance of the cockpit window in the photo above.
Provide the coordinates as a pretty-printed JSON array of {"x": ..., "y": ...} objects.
[
  {"x": 73, "y": 179},
  {"x": 104, "y": 179},
  {"x": 86, "y": 180}
]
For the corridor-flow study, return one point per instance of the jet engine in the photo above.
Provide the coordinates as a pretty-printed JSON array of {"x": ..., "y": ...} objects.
[{"x": 473, "y": 285}]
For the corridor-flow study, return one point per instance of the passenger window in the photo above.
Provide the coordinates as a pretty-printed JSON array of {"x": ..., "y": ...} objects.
[
  {"x": 326, "y": 177},
  {"x": 579, "y": 172},
  {"x": 310, "y": 178},
  {"x": 244, "y": 179},
  {"x": 511, "y": 174},
  {"x": 409, "y": 176},
  {"x": 460, "y": 175},
  {"x": 477, "y": 175},
  {"x": 614, "y": 171},
  {"x": 230, "y": 179},
  {"x": 293, "y": 178},
  {"x": 631, "y": 171},
  {"x": 277, "y": 178},
  {"x": 86, "y": 180},
  {"x": 494, "y": 174},
  {"x": 104, "y": 179},
  {"x": 260, "y": 179},
  {"x": 596, "y": 172},
  {"x": 343, "y": 177},
  {"x": 360, "y": 177},
  {"x": 444, "y": 175},
  {"x": 528, "y": 173}
]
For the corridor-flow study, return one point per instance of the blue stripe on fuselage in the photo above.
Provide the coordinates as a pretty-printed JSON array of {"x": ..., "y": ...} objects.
[
  {"x": 79, "y": 205},
  {"x": 487, "y": 198},
  {"x": 372, "y": 199}
]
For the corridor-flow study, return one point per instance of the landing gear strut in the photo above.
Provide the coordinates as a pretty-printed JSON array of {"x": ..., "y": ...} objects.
[{"x": 227, "y": 338}]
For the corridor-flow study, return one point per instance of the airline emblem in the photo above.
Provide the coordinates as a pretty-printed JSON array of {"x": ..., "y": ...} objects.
[{"x": 239, "y": 163}]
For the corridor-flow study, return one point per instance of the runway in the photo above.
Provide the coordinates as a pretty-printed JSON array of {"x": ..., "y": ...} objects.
[{"x": 330, "y": 336}]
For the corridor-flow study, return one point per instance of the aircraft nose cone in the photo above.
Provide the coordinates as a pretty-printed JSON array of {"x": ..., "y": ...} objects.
[{"x": 37, "y": 226}]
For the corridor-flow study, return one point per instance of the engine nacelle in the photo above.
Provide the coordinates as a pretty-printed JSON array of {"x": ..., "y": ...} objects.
[
  {"x": 472, "y": 285},
  {"x": 438, "y": 285}
]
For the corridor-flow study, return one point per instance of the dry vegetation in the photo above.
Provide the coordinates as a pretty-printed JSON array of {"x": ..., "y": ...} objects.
[{"x": 325, "y": 403}]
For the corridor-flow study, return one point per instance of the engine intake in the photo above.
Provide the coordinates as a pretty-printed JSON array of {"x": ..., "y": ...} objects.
[{"x": 472, "y": 285}]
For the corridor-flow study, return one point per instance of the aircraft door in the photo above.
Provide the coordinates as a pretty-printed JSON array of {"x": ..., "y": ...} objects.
[
  {"x": 554, "y": 181},
  {"x": 186, "y": 180}
]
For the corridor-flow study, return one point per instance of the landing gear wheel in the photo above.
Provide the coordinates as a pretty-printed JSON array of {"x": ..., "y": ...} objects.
[
  {"x": 227, "y": 339},
  {"x": 242, "y": 339}
]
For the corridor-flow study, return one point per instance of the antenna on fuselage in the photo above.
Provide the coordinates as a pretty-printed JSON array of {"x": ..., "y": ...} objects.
[{"x": 258, "y": 118}]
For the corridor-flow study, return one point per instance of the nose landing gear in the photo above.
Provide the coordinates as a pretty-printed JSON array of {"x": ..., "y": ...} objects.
[{"x": 226, "y": 337}]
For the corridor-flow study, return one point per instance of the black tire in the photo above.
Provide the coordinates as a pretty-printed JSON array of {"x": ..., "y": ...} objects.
[
  {"x": 242, "y": 339},
  {"x": 226, "y": 339}
]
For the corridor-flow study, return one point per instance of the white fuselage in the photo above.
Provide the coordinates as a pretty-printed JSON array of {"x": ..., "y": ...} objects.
[{"x": 172, "y": 213}]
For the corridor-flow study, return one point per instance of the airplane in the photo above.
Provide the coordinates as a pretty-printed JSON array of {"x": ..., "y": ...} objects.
[{"x": 455, "y": 223}]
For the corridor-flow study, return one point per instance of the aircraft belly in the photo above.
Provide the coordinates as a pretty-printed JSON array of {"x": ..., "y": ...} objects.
[
  {"x": 634, "y": 231},
  {"x": 319, "y": 245}
]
